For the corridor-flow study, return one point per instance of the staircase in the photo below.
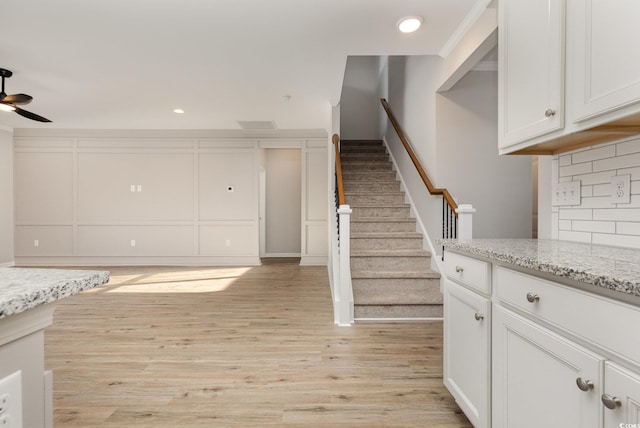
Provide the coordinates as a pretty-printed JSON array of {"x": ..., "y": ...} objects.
[{"x": 391, "y": 274}]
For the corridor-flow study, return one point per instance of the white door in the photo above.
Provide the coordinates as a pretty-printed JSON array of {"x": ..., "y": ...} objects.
[{"x": 621, "y": 397}]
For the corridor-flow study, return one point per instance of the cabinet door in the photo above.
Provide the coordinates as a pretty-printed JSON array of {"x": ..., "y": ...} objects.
[
  {"x": 623, "y": 387},
  {"x": 607, "y": 56},
  {"x": 531, "y": 69},
  {"x": 536, "y": 374},
  {"x": 467, "y": 366}
]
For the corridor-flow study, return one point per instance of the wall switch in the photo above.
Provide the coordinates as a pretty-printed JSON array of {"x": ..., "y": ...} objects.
[
  {"x": 621, "y": 189},
  {"x": 36, "y": 243},
  {"x": 11, "y": 400},
  {"x": 230, "y": 189},
  {"x": 132, "y": 188},
  {"x": 133, "y": 242},
  {"x": 566, "y": 193}
]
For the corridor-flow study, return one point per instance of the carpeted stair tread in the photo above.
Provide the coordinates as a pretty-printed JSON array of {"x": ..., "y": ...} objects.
[
  {"x": 394, "y": 235},
  {"x": 390, "y": 253},
  {"x": 389, "y": 274}
]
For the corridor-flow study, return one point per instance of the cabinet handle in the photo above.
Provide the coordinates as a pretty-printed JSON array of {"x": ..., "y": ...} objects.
[
  {"x": 479, "y": 316},
  {"x": 532, "y": 298},
  {"x": 611, "y": 402},
  {"x": 459, "y": 269},
  {"x": 584, "y": 384},
  {"x": 550, "y": 112}
]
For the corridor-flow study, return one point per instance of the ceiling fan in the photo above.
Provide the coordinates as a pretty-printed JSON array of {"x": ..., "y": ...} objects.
[{"x": 10, "y": 102}]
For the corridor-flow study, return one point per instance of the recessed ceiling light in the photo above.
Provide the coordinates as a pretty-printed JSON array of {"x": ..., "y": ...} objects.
[
  {"x": 178, "y": 110},
  {"x": 409, "y": 24}
]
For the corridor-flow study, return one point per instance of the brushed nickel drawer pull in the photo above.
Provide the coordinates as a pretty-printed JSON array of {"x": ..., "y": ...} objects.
[
  {"x": 532, "y": 298},
  {"x": 459, "y": 269},
  {"x": 611, "y": 402},
  {"x": 479, "y": 316},
  {"x": 584, "y": 384}
]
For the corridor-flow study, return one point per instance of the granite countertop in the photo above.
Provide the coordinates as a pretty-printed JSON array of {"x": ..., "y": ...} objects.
[
  {"x": 613, "y": 268},
  {"x": 22, "y": 289}
]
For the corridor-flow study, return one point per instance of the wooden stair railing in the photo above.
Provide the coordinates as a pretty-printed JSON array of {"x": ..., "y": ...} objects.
[
  {"x": 339, "y": 182},
  {"x": 449, "y": 214}
]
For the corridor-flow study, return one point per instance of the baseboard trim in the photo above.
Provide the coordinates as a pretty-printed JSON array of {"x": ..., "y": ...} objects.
[
  {"x": 397, "y": 319},
  {"x": 139, "y": 261},
  {"x": 314, "y": 261},
  {"x": 8, "y": 264}
]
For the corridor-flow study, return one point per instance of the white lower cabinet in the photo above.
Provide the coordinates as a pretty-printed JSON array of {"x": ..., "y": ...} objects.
[
  {"x": 541, "y": 379},
  {"x": 621, "y": 397},
  {"x": 467, "y": 351}
]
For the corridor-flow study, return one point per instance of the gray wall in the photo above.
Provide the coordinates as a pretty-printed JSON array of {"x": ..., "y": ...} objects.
[
  {"x": 359, "y": 103},
  {"x": 6, "y": 197}
]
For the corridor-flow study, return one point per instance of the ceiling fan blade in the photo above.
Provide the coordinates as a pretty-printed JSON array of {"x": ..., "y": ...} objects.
[
  {"x": 17, "y": 99},
  {"x": 30, "y": 115}
]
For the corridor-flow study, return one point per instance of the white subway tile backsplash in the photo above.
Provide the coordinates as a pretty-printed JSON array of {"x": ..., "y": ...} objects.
[
  {"x": 575, "y": 214},
  {"x": 625, "y": 161},
  {"x": 596, "y": 219},
  {"x": 625, "y": 214},
  {"x": 576, "y": 169},
  {"x": 616, "y": 240},
  {"x": 593, "y": 226},
  {"x": 574, "y": 236},
  {"x": 595, "y": 178},
  {"x": 594, "y": 154},
  {"x": 627, "y": 147},
  {"x": 628, "y": 228}
]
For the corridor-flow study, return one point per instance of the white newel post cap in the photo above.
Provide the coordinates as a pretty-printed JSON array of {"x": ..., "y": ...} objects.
[{"x": 465, "y": 222}]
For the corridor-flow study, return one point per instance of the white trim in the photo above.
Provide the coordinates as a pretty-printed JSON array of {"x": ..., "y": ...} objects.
[
  {"x": 476, "y": 11},
  {"x": 23, "y": 323},
  {"x": 314, "y": 261},
  {"x": 267, "y": 255},
  {"x": 7, "y": 264},
  {"x": 486, "y": 66},
  {"x": 164, "y": 134},
  {"x": 140, "y": 261},
  {"x": 392, "y": 320}
]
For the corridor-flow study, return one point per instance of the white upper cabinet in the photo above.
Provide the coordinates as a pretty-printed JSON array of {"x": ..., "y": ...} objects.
[
  {"x": 531, "y": 67},
  {"x": 569, "y": 73},
  {"x": 607, "y": 57}
]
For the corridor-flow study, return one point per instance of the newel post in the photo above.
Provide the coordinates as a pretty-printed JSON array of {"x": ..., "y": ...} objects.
[
  {"x": 465, "y": 222},
  {"x": 345, "y": 294}
]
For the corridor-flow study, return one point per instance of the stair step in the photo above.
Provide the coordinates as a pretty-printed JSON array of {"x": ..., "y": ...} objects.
[
  {"x": 396, "y": 291},
  {"x": 400, "y": 211},
  {"x": 365, "y": 166},
  {"x": 369, "y": 157},
  {"x": 380, "y": 260},
  {"x": 362, "y": 148},
  {"x": 372, "y": 187},
  {"x": 373, "y": 312},
  {"x": 375, "y": 199},
  {"x": 386, "y": 242},
  {"x": 369, "y": 175},
  {"x": 382, "y": 224}
]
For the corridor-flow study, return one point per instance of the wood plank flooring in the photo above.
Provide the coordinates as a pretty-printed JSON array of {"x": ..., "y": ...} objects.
[{"x": 245, "y": 347}]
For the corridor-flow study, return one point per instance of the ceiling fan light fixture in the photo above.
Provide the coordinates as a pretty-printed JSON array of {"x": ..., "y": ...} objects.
[
  {"x": 409, "y": 24},
  {"x": 7, "y": 107}
]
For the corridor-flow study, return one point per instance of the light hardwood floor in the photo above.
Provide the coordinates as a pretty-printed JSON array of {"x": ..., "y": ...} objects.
[{"x": 245, "y": 347}]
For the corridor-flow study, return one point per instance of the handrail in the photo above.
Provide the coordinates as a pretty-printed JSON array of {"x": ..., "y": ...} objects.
[
  {"x": 336, "y": 143},
  {"x": 430, "y": 187}
]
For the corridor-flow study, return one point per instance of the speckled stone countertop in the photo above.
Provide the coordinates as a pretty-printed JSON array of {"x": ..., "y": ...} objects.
[
  {"x": 613, "y": 268},
  {"x": 22, "y": 289}
]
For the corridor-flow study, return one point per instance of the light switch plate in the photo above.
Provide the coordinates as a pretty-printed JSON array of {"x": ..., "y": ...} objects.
[{"x": 568, "y": 193}]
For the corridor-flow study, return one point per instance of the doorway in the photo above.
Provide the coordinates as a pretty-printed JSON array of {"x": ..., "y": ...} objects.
[{"x": 280, "y": 202}]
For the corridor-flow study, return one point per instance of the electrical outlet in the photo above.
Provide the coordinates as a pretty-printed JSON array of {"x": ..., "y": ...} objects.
[
  {"x": 139, "y": 187},
  {"x": 621, "y": 189},
  {"x": 36, "y": 243},
  {"x": 566, "y": 193},
  {"x": 227, "y": 242},
  {"x": 133, "y": 243},
  {"x": 132, "y": 188}
]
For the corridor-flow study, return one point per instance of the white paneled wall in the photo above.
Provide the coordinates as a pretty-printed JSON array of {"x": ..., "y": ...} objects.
[
  {"x": 597, "y": 219},
  {"x": 90, "y": 200}
]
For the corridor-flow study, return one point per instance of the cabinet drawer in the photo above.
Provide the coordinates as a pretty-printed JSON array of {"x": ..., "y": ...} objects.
[
  {"x": 468, "y": 271},
  {"x": 599, "y": 320}
]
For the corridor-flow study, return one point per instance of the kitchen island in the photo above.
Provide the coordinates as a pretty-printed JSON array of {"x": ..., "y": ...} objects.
[
  {"x": 27, "y": 303},
  {"x": 542, "y": 332}
]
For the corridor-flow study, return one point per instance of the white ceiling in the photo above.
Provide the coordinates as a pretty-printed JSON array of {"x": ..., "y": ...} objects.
[{"x": 126, "y": 64}]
